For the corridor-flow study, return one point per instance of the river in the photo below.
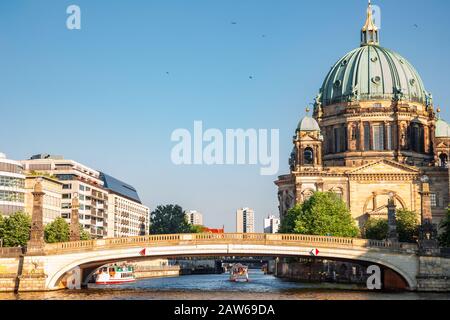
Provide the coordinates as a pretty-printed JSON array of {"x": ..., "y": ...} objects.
[{"x": 217, "y": 287}]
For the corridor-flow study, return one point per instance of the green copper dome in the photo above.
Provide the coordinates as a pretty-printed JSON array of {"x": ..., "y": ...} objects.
[{"x": 372, "y": 73}]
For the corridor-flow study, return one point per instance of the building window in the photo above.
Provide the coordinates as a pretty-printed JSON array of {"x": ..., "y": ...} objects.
[
  {"x": 417, "y": 137},
  {"x": 433, "y": 200},
  {"x": 67, "y": 196},
  {"x": 389, "y": 137},
  {"x": 378, "y": 137},
  {"x": 366, "y": 136},
  {"x": 340, "y": 139},
  {"x": 308, "y": 156},
  {"x": 443, "y": 160}
]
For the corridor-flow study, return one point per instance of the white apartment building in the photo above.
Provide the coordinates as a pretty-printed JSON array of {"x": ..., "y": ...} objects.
[
  {"x": 271, "y": 224},
  {"x": 194, "y": 217},
  {"x": 77, "y": 180},
  {"x": 127, "y": 215},
  {"x": 12, "y": 186},
  {"x": 245, "y": 220}
]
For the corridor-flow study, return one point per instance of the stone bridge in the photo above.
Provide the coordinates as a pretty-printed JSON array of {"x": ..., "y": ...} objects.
[{"x": 69, "y": 265}]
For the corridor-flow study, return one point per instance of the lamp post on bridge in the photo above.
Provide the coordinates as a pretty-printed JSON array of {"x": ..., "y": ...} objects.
[
  {"x": 392, "y": 219},
  {"x": 428, "y": 242},
  {"x": 75, "y": 219},
  {"x": 37, "y": 243}
]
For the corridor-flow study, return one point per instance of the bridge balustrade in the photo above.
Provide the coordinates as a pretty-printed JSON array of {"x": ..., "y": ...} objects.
[{"x": 227, "y": 238}]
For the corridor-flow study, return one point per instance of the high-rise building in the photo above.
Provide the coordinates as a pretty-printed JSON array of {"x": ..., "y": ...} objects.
[
  {"x": 12, "y": 186},
  {"x": 127, "y": 215},
  {"x": 78, "y": 180},
  {"x": 52, "y": 189},
  {"x": 194, "y": 217},
  {"x": 245, "y": 220},
  {"x": 271, "y": 224}
]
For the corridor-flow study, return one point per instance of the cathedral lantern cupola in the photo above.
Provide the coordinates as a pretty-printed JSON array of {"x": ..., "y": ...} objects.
[
  {"x": 307, "y": 151},
  {"x": 370, "y": 33}
]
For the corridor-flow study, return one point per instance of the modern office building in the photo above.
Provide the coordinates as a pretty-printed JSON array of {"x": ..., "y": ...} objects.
[
  {"x": 127, "y": 216},
  {"x": 245, "y": 220},
  {"x": 12, "y": 186},
  {"x": 194, "y": 217},
  {"x": 78, "y": 180},
  {"x": 52, "y": 197},
  {"x": 271, "y": 224}
]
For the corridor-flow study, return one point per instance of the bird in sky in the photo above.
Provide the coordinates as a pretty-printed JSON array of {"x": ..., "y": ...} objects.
[
  {"x": 415, "y": 25},
  {"x": 250, "y": 77},
  {"x": 233, "y": 22}
]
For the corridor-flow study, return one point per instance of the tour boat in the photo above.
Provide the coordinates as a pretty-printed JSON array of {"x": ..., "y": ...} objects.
[
  {"x": 239, "y": 273},
  {"x": 115, "y": 275}
]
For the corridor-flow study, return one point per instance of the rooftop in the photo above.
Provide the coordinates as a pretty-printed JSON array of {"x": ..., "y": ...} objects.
[{"x": 119, "y": 187}]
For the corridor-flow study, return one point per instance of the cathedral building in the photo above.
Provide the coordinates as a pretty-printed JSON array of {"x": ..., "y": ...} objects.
[{"x": 374, "y": 134}]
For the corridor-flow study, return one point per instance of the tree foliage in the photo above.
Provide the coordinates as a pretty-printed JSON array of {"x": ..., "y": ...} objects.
[
  {"x": 15, "y": 229},
  {"x": 197, "y": 229},
  {"x": 169, "y": 219},
  {"x": 407, "y": 227},
  {"x": 444, "y": 238},
  {"x": 376, "y": 229},
  {"x": 84, "y": 235},
  {"x": 287, "y": 224},
  {"x": 323, "y": 214},
  {"x": 57, "y": 231}
]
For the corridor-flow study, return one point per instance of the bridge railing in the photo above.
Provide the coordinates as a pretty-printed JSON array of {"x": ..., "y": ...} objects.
[
  {"x": 11, "y": 252},
  {"x": 227, "y": 238}
]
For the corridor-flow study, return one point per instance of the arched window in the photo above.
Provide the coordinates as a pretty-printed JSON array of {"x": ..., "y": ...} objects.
[
  {"x": 443, "y": 160},
  {"x": 308, "y": 156}
]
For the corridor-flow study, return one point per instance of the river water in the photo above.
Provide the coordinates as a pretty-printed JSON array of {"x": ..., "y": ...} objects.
[{"x": 217, "y": 287}]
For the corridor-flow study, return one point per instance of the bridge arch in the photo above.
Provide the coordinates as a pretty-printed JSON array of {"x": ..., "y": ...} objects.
[{"x": 401, "y": 264}]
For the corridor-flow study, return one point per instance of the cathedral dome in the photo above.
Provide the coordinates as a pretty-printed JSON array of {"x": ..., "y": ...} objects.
[
  {"x": 372, "y": 72},
  {"x": 308, "y": 124}
]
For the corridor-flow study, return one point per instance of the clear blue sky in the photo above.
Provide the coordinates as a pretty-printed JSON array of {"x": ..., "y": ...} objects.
[{"x": 102, "y": 96}]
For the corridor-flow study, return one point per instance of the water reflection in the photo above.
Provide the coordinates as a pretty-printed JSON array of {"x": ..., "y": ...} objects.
[{"x": 217, "y": 287}]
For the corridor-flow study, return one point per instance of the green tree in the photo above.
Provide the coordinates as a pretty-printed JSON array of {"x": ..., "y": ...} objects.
[
  {"x": 323, "y": 214},
  {"x": 196, "y": 229},
  {"x": 444, "y": 238},
  {"x": 407, "y": 226},
  {"x": 57, "y": 231},
  {"x": 15, "y": 229},
  {"x": 288, "y": 222},
  {"x": 375, "y": 229},
  {"x": 84, "y": 235},
  {"x": 168, "y": 219}
]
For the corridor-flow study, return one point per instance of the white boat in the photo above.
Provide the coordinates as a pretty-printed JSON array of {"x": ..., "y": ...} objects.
[
  {"x": 239, "y": 273},
  {"x": 115, "y": 275}
]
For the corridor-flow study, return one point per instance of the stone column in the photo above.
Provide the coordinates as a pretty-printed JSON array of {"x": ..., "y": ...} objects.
[
  {"x": 392, "y": 220},
  {"x": 428, "y": 235},
  {"x": 75, "y": 220},
  {"x": 37, "y": 243},
  {"x": 361, "y": 136},
  {"x": 426, "y": 201}
]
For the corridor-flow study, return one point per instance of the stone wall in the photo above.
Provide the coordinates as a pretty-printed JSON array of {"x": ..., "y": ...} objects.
[
  {"x": 8, "y": 274},
  {"x": 434, "y": 274}
]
